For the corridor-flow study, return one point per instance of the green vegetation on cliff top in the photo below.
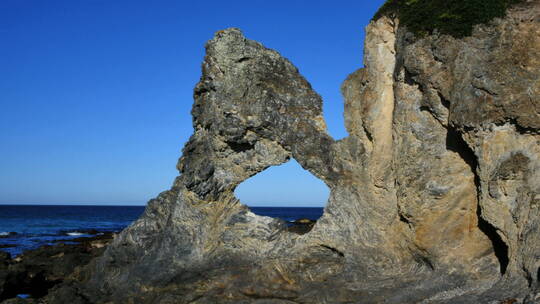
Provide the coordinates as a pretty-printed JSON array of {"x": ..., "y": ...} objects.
[{"x": 452, "y": 17}]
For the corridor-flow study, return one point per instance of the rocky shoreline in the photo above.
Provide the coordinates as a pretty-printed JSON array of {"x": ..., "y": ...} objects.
[
  {"x": 36, "y": 272},
  {"x": 28, "y": 278}
]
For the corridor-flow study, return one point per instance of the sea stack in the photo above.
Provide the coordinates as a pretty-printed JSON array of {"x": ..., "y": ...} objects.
[{"x": 435, "y": 193}]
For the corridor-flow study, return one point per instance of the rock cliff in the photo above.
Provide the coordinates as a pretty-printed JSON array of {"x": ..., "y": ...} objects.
[{"x": 435, "y": 193}]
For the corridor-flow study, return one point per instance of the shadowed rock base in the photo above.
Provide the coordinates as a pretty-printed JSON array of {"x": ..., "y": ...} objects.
[{"x": 37, "y": 272}]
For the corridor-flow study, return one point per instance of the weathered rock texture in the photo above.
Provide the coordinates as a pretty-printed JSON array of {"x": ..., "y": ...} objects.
[{"x": 434, "y": 194}]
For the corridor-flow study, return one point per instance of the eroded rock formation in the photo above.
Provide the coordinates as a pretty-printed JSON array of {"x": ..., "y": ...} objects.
[{"x": 434, "y": 194}]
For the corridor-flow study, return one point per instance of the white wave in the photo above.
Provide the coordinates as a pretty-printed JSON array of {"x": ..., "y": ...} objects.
[
  {"x": 74, "y": 233},
  {"x": 4, "y": 233}
]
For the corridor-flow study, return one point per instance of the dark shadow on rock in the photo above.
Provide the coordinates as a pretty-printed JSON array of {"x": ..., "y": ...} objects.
[
  {"x": 36, "y": 272},
  {"x": 301, "y": 226},
  {"x": 455, "y": 143}
]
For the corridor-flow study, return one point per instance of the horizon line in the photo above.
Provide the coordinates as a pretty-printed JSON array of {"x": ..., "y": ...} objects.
[{"x": 140, "y": 205}]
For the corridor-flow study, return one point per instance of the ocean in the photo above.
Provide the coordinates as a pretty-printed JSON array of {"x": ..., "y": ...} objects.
[{"x": 25, "y": 227}]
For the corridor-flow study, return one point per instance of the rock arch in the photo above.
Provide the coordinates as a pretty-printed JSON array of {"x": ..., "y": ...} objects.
[{"x": 410, "y": 187}]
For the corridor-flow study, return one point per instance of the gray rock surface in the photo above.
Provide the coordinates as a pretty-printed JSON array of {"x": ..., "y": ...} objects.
[{"x": 435, "y": 193}]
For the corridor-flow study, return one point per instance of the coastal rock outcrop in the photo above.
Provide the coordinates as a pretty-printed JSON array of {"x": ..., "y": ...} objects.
[
  {"x": 37, "y": 272},
  {"x": 435, "y": 193}
]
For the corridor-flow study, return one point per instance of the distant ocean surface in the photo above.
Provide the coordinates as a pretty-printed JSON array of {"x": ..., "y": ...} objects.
[{"x": 25, "y": 227}]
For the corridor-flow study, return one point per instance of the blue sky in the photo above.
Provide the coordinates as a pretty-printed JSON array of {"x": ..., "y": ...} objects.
[{"x": 96, "y": 94}]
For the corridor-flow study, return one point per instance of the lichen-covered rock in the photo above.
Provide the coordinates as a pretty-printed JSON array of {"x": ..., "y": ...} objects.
[{"x": 434, "y": 194}]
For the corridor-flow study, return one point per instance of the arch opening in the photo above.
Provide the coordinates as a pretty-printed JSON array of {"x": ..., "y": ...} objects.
[{"x": 287, "y": 192}]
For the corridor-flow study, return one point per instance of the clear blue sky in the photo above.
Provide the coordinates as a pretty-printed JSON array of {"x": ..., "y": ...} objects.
[{"x": 96, "y": 94}]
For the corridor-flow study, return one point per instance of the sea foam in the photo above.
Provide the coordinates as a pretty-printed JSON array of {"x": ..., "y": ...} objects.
[{"x": 74, "y": 233}]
